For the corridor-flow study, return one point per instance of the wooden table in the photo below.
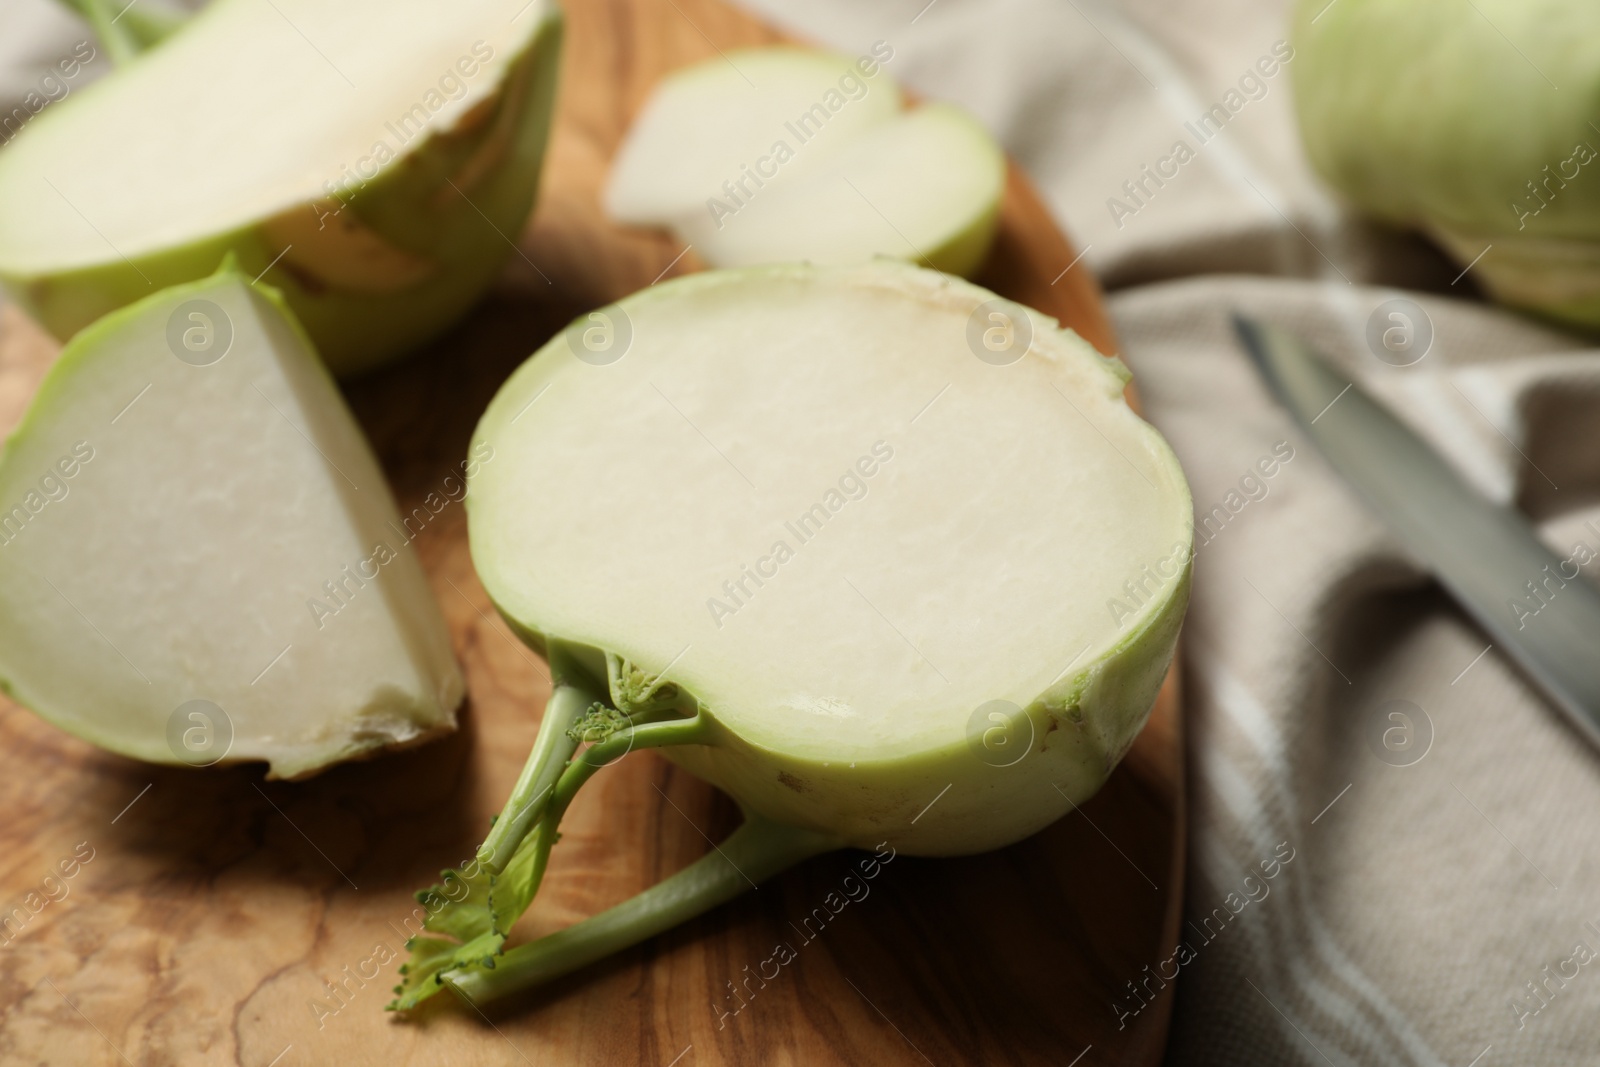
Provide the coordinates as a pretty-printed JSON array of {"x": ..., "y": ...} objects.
[{"x": 214, "y": 907}]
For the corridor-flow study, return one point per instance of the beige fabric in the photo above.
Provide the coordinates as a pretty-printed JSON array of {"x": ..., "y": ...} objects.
[
  {"x": 1416, "y": 908},
  {"x": 34, "y": 36}
]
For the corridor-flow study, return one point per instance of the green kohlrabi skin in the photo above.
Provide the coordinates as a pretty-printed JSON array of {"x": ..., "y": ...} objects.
[
  {"x": 1476, "y": 123},
  {"x": 806, "y": 790},
  {"x": 371, "y": 274}
]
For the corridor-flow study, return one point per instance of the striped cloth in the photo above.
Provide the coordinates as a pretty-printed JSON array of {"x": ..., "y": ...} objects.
[
  {"x": 41, "y": 45},
  {"x": 1394, "y": 842}
]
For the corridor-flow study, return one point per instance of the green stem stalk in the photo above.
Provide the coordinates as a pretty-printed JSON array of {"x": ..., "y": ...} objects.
[
  {"x": 516, "y": 853},
  {"x": 126, "y": 29},
  {"x": 690, "y": 731},
  {"x": 551, "y": 752},
  {"x": 756, "y": 851}
]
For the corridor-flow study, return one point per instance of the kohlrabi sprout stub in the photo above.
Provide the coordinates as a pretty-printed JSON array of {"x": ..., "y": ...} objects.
[
  {"x": 379, "y": 156},
  {"x": 1477, "y": 123},
  {"x": 885, "y": 557}
]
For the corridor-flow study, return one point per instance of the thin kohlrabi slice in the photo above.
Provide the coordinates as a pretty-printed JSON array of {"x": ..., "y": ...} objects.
[
  {"x": 379, "y": 156},
  {"x": 783, "y": 154},
  {"x": 924, "y": 186},
  {"x": 708, "y": 128},
  {"x": 200, "y": 560},
  {"x": 886, "y": 557}
]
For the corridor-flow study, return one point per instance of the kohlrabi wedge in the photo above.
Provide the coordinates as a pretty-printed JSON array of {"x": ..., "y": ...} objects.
[
  {"x": 1475, "y": 123},
  {"x": 884, "y": 556},
  {"x": 200, "y": 560},
  {"x": 380, "y": 156},
  {"x": 780, "y": 154}
]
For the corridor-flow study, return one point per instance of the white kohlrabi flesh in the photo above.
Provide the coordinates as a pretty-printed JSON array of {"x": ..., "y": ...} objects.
[
  {"x": 1476, "y": 124},
  {"x": 379, "y": 155},
  {"x": 781, "y": 154},
  {"x": 841, "y": 541},
  {"x": 200, "y": 560}
]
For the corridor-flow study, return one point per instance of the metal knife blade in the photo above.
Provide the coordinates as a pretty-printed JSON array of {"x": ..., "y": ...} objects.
[{"x": 1484, "y": 554}]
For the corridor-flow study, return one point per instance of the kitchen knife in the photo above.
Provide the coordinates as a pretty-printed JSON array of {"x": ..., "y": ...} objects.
[{"x": 1487, "y": 556}]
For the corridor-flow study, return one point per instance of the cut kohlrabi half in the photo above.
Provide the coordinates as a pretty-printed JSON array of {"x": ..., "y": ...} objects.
[
  {"x": 200, "y": 561},
  {"x": 380, "y": 156},
  {"x": 887, "y": 558},
  {"x": 782, "y": 154}
]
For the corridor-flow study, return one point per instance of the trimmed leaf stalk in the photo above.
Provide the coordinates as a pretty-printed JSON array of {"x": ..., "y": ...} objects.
[
  {"x": 472, "y": 910},
  {"x": 757, "y": 850},
  {"x": 552, "y": 749},
  {"x": 125, "y": 29}
]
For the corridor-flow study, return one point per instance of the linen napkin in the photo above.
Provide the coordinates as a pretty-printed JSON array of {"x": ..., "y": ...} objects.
[{"x": 40, "y": 42}]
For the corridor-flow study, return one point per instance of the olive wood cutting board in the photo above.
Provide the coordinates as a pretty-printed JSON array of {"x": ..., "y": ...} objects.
[{"x": 210, "y": 914}]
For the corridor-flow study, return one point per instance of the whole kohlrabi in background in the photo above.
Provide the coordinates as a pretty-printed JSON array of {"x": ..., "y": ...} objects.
[{"x": 1475, "y": 121}]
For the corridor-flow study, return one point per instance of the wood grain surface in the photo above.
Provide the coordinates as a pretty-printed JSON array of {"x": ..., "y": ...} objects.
[{"x": 221, "y": 919}]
